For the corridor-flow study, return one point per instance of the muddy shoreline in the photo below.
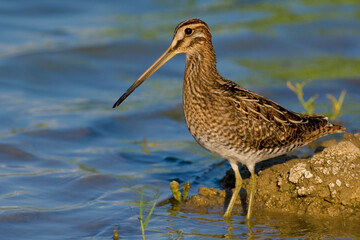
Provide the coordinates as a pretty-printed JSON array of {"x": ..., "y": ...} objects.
[{"x": 325, "y": 184}]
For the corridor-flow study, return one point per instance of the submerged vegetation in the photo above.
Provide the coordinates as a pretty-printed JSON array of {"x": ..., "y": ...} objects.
[{"x": 309, "y": 105}]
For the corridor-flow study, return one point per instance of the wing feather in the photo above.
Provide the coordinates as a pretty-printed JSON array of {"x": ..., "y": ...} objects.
[{"x": 268, "y": 124}]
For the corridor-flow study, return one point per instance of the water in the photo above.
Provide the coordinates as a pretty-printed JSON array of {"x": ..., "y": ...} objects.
[{"x": 74, "y": 168}]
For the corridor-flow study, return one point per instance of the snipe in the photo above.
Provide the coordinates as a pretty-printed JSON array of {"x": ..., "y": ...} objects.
[{"x": 227, "y": 119}]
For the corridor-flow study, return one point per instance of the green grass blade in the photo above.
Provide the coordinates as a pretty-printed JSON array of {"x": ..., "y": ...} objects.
[
  {"x": 141, "y": 206},
  {"x": 342, "y": 96},
  {"x": 336, "y": 104},
  {"x": 149, "y": 215},
  {"x": 141, "y": 215}
]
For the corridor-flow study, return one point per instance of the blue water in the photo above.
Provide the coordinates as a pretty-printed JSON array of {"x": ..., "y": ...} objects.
[{"x": 74, "y": 168}]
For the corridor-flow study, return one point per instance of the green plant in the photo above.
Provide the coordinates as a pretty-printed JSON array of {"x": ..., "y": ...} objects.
[
  {"x": 309, "y": 105},
  {"x": 186, "y": 191},
  {"x": 115, "y": 235},
  {"x": 337, "y": 103},
  {"x": 298, "y": 90},
  {"x": 175, "y": 189},
  {"x": 141, "y": 219}
]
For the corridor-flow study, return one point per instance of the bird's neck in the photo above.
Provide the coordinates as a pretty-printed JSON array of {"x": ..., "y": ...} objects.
[
  {"x": 201, "y": 77},
  {"x": 200, "y": 69}
]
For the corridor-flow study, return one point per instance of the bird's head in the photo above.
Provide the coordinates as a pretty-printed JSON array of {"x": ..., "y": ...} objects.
[{"x": 190, "y": 37}]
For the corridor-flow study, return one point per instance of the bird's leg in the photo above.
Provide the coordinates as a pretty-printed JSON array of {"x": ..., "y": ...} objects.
[
  {"x": 238, "y": 184},
  {"x": 252, "y": 193}
]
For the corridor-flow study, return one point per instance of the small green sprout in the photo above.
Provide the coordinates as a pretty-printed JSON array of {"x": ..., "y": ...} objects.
[
  {"x": 298, "y": 90},
  {"x": 186, "y": 191},
  {"x": 175, "y": 189},
  {"x": 309, "y": 104},
  {"x": 115, "y": 235},
  {"x": 337, "y": 103}
]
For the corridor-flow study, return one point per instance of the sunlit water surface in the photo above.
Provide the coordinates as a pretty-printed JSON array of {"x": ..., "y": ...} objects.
[{"x": 74, "y": 168}]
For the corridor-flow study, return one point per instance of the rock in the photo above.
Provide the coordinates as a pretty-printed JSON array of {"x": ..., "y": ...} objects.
[
  {"x": 327, "y": 184},
  {"x": 298, "y": 171}
]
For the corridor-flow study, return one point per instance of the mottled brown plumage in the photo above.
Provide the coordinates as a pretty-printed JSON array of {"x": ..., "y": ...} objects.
[{"x": 228, "y": 120}]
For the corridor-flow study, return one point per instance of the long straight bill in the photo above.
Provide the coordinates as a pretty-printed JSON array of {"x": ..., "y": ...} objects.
[{"x": 167, "y": 55}]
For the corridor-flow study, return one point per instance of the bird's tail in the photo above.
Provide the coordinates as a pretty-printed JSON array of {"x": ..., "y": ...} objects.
[
  {"x": 320, "y": 126},
  {"x": 332, "y": 128}
]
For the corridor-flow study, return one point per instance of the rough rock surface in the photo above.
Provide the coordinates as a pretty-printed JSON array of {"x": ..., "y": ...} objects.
[{"x": 327, "y": 184}]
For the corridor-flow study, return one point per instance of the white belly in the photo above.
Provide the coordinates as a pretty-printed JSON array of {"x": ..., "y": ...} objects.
[{"x": 247, "y": 156}]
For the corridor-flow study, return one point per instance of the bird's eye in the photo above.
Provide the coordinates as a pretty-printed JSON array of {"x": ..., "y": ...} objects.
[{"x": 188, "y": 31}]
